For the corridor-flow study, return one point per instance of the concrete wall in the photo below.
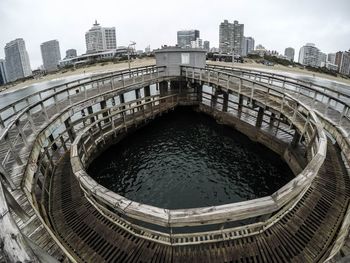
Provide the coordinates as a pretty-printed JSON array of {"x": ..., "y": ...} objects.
[{"x": 174, "y": 57}]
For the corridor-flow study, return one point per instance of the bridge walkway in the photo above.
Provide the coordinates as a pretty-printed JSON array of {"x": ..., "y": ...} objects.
[{"x": 303, "y": 235}]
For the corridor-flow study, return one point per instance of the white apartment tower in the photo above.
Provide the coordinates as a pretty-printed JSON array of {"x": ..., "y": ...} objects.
[
  {"x": 51, "y": 55},
  {"x": 100, "y": 39},
  {"x": 309, "y": 55},
  {"x": 17, "y": 60},
  {"x": 231, "y": 37}
]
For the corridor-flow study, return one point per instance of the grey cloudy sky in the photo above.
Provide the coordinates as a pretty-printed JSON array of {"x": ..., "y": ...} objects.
[{"x": 276, "y": 24}]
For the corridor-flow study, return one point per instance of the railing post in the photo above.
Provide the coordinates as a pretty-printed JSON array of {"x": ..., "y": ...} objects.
[{"x": 70, "y": 130}]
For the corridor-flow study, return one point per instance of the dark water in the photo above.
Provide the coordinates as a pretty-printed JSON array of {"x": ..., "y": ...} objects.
[{"x": 185, "y": 159}]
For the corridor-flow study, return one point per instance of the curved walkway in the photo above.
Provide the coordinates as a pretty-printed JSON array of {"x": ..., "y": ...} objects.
[{"x": 303, "y": 235}]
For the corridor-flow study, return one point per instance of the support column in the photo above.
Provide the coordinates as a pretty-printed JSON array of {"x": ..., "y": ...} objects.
[
  {"x": 103, "y": 105},
  {"x": 240, "y": 105},
  {"x": 214, "y": 98},
  {"x": 70, "y": 131},
  {"x": 272, "y": 119},
  {"x": 296, "y": 139},
  {"x": 90, "y": 111},
  {"x": 163, "y": 88},
  {"x": 138, "y": 96},
  {"x": 122, "y": 100},
  {"x": 199, "y": 90},
  {"x": 260, "y": 117},
  {"x": 225, "y": 102},
  {"x": 147, "y": 92}
]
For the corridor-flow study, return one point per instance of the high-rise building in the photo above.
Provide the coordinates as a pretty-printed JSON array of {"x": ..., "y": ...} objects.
[
  {"x": 322, "y": 59},
  {"x": 344, "y": 65},
  {"x": 51, "y": 55},
  {"x": 338, "y": 57},
  {"x": 184, "y": 37},
  {"x": 309, "y": 55},
  {"x": 331, "y": 58},
  {"x": 198, "y": 43},
  {"x": 100, "y": 39},
  {"x": 231, "y": 37},
  {"x": 247, "y": 45},
  {"x": 289, "y": 53},
  {"x": 71, "y": 53},
  {"x": 3, "y": 74},
  {"x": 17, "y": 60},
  {"x": 148, "y": 49},
  {"x": 206, "y": 45}
]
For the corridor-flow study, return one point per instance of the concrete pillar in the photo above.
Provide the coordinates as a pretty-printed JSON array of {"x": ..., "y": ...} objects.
[
  {"x": 70, "y": 131},
  {"x": 225, "y": 102},
  {"x": 272, "y": 119},
  {"x": 260, "y": 117},
  {"x": 240, "y": 105},
  {"x": 214, "y": 98},
  {"x": 163, "y": 88},
  {"x": 90, "y": 111},
  {"x": 296, "y": 139},
  {"x": 199, "y": 91},
  {"x": 122, "y": 100},
  {"x": 147, "y": 91},
  {"x": 103, "y": 105}
]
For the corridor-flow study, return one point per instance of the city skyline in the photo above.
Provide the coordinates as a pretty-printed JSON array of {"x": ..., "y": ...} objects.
[{"x": 274, "y": 24}]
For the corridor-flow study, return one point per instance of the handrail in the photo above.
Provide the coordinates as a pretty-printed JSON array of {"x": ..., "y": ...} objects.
[
  {"x": 307, "y": 84},
  {"x": 61, "y": 91},
  {"x": 99, "y": 77},
  {"x": 26, "y": 110},
  {"x": 207, "y": 215}
]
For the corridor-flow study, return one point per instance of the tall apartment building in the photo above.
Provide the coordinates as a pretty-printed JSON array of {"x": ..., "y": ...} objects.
[
  {"x": 3, "y": 74},
  {"x": 206, "y": 45},
  {"x": 71, "y": 53},
  {"x": 198, "y": 43},
  {"x": 343, "y": 62},
  {"x": 51, "y": 55},
  {"x": 17, "y": 60},
  {"x": 331, "y": 58},
  {"x": 231, "y": 37},
  {"x": 309, "y": 55},
  {"x": 100, "y": 39},
  {"x": 185, "y": 37},
  {"x": 247, "y": 45},
  {"x": 289, "y": 52},
  {"x": 322, "y": 59}
]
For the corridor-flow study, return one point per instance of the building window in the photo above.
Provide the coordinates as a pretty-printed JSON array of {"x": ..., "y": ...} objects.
[{"x": 185, "y": 58}]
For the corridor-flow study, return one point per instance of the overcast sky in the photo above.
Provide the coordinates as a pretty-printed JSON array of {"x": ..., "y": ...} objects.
[{"x": 276, "y": 24}]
